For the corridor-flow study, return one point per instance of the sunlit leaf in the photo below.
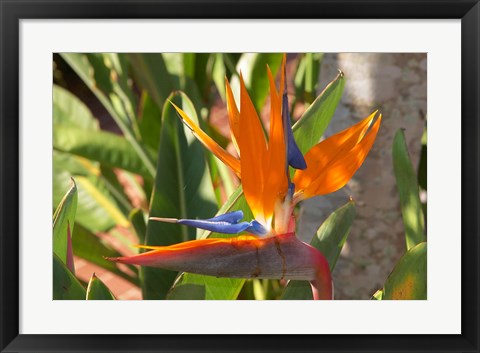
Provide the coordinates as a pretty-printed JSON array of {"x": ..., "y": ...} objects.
[
  {"x": 378, "y": 295},
  {"x": 97, "y": 210},
  {"x": 63, "y": 223},
  {"x": 311, "y": 126},
  {"x": 97, "y": 290},
  {"x": 69, "y": 109},
  {"x": 96, "y": 71},
  {"x": 105, "y": 147},
  {"x": 408, "y": 191},
  {"x": 408, "y": 280}
]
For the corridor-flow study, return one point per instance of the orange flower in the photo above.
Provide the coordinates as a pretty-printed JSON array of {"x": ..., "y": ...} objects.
[{"x": 263, "y": 168}]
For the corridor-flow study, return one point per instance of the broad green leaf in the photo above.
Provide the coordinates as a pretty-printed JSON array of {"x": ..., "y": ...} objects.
[
  {"x": 253, "y": 67},
  {"x": 183, "y": 189},
  {"x": 93, "y": 249},
  {"x": 105, "y": 147},
  {"x": 408, "y": 191},
  {"x": 68, "y": 109},
  {"x": 310, "y": 127},
  {"x": 330, "y": 238},
  {"x": 150, "y": 121},
  {"x": 138, "y": 222},
  {"x": 422, "y": 164},
  {"x": 91, "y": 187},
  {"x": 97, "y": 290},
  {"x": 307, "y": 76},
  {"x": 65, "y": 285},
  {"x": 101, "y": 74},
  {"x": 187, "y": 292},
  {"x": 110, "y": 75},
  {"x": 117, "y": 190},
  {"x": 297, "y": 290},
  {"x": 63, "y": 221},
  {"x": 333, "y": 233},
  {"x": 151, "y": 72},
  {"x": 378, "y": 295},
  {"x": 96, "y": 208},
  {"x": 408, "y": 280},
  {"x": 174, "y": 64},
  {"x": 219, "y": 73}
]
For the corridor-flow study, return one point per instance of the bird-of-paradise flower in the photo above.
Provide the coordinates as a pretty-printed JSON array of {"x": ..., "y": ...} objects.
[{"x": 272, "y": 251}]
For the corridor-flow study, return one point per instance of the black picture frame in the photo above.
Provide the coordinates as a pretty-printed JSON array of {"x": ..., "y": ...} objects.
[{"x": 13, "y": 11}]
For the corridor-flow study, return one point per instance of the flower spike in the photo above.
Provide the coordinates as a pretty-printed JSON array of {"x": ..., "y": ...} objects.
[{"x": 280, "y": 257}]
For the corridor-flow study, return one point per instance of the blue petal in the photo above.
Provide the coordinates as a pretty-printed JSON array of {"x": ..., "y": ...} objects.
[
  {"x": 256, "y": 228},
  {"x": 216, "y": 226},
  {"x": 294, "y": 155},
  {"x": 227, "y": 223},
  {"x": 231, "y": 217}
]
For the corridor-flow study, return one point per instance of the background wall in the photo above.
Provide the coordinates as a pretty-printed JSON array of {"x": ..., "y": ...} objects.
[{"x": 396, "y": 84}]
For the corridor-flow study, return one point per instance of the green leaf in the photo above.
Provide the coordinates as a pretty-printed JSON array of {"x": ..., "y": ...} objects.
[
  {"x": 378, "y": 295},
  {"x": 65, "y": 285},
  {"x": 93, "y": 249},
  {"x": 306, "y": 77},
  {"x": 253, "y": 67},
  {"x": 150, "y": 121},
  {"x": 408, "y": 280},
  {"x": 97, "y": 290},
  {"x": 183, "y": 189},
  {"x": 330, "y": 238},
  {"x": 297, "y": 290},
  {"x": 333, "y": 233},
  {"x": 105, "y": 75},
  {"x": 97, "y": 210},
  {"x": 63, "y": 221},
  {"x": 152, "y": 74},
  {"x": 422, "y": 164},
  {"x": 408, "y": 191},
  {"x": 187, "y": 292},
  {"x": 310, "y": 127},
  {"x": 138, "y": 221},
  {"x": 68, "y": 109},
  {"x": 109, "y": 149},
  {"x": 218, "y": 74}
]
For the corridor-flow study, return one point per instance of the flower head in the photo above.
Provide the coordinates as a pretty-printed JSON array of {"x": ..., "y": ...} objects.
[{"x": 264, "y": 169}]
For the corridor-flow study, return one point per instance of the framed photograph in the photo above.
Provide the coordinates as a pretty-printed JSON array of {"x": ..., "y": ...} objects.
[{"x": 237, "y": 176}]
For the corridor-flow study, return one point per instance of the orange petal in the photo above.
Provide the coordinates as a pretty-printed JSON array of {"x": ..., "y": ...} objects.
[
  {"x": 320, "y": 156},
  {"x": 275, "y": 173},
  {"x": 253, "y": 151},
  {"x": 342, "y": 169},
  {"x": 233, "y": 115},
  {"x": 209, "y": 143}
]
